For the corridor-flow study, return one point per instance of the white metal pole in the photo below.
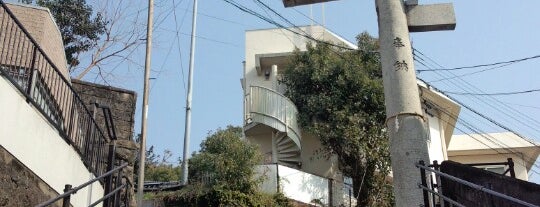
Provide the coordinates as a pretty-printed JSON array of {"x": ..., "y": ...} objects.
[
  {"x": 405, "y": 122},
  {"x": 187, "y": 130},
  {"x": 142, "y": 147}
]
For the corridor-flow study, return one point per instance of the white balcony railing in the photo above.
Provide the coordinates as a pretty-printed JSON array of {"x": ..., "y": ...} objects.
[{"x": 271, "y": 108}]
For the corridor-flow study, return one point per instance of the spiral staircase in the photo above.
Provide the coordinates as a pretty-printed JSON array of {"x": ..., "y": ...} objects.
[{"x": 268, "y": 112}]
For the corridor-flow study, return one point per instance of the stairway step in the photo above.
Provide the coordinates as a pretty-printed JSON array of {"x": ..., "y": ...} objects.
[
  {"x": 289, "y": 150},
  {"x": 296, "y": 160},
  {"x": 288, "y": 155},
  {"x": 281, "y": 137}
]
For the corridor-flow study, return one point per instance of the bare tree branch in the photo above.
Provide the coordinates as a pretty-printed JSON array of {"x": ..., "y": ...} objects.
[{"x": 123, "y": 34}]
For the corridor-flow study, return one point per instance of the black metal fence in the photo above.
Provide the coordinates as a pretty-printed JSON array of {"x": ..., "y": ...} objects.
[
  {"x": 443, "y": 189},
  {"x": 116, "y": 194},
  {"x": 25, "y": 64}
]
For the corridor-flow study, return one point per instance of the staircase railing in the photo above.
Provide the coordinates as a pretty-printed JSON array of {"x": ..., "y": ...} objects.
[
  {"x": 112, "y": 197},
  {"x": 25, "y": 64},
  {"x": 264, "y": 105}
]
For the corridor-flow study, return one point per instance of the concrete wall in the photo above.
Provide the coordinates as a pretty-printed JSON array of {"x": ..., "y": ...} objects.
[
  {"x": 437, "y": 151},
  {"x": 316, "y": 163},
  {"x": 301, "y": 186},
  {"x": 30, "y": 138}
]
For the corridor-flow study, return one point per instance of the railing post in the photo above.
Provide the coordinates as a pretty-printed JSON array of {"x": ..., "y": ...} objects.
[
  {"x": 437, "y": 167},
  {"x": 110, "y": 166},
  {"x": 126, "y": 193},
  {"x": 424, "y": 183},
  {"x": 32, "y": 83},
  {"x": 65, "y": 202},
  {"x": 511, "y": 168},
  {"x": 32, "y": 80},
  {"x": 350, "y": 197},
  {"x": 118, "y": 184},
  {"x": 330, "y": 192}
]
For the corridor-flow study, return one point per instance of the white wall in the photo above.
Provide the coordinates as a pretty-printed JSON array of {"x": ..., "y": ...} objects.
[
  {"x": 435, "y": 142},
  {"x": 302, "y": 186},
  {"x": 33, "y": 141}
]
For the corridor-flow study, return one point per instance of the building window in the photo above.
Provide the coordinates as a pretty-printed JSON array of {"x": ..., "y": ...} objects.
[{"x": 495, "y": 169}]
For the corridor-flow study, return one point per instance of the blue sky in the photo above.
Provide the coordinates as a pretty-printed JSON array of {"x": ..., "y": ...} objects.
[{"x": 486, "y": 32}]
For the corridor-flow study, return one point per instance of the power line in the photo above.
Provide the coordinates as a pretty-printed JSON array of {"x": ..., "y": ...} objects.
[
  {"x": 486, "y": 136},
  {"x": 493, "y": 94},
  {"x": 249, "y": 11},
  {"x": 483, "y": 116},
  {"x": 472, "y": 73},
  {"x": 496, "y": 108},
  {"x": 466, "y": 84},
  {"x": 482, "y": 65},
  {"x": 483, "y": 134}
]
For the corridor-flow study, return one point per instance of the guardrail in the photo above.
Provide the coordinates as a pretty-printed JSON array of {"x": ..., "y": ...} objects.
[
  {"x": 269, "y": 107},
  {"x": 112, "y": 197},
  {"x": 24, "y": 63}
]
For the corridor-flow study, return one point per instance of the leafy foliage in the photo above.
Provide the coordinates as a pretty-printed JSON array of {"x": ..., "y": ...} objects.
[
  {"x": 160, "y": 170},
  {"x": 221, "y": 174},
  {"x": 79, "y": 26},
  {"x": 339, "y": 95}
]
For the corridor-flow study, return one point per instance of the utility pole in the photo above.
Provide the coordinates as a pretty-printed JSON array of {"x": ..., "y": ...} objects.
[
  {"x": 147, "y": 65},
  {"x": 405, "y": 122},
  {"x": 187, "y": 130}
]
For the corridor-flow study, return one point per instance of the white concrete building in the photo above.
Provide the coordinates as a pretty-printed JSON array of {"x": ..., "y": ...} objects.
[{"x": 270, "y": 120}]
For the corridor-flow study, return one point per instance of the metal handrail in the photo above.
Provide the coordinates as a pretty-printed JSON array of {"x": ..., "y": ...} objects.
[
  {"x": 475, "y": 186},
  {"x": 277, "y": 93},
  {"x": 74, "y": 190},
  {"x": 283, "y": 117},
  {"x": 26, "y": 65},
  {"x": 442, "y": 196}
]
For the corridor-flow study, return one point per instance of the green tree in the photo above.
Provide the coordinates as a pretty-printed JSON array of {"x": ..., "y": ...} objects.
[
  {"x": 340, "y": 99},
  {"x": 222, "y": 174},
  {"x": 160, "y": 170},
  {"x": 79, "y": 26}
]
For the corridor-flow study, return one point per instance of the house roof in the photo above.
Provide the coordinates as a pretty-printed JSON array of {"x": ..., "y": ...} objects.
[
  {"x": 279, "y": 55},
  {"x": 448, "y": 109},
  {"x": 494, "y": 143}
]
